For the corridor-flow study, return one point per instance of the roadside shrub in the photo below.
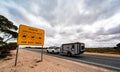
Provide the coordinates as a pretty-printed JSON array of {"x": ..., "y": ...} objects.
[
  {"x": 5, "y": 49},
  {"x": 12, "y": 46},
  {"x": 117, "y": 48},
  {"x": 101, "y": 50}
]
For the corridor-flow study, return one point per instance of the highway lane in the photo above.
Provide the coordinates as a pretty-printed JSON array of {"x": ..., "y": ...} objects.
[{"x": 109, "y": 62}]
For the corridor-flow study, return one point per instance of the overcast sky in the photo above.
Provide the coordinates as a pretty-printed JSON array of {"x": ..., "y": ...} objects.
[{"x": 93, "y": 22}]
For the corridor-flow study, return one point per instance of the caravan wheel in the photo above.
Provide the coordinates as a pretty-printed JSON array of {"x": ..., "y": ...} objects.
[
  {"x": 69, "y": 54},
  {"x": 47, "y": 51}
]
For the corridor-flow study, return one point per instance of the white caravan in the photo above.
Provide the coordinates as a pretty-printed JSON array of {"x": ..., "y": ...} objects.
[{"x": 71, "y": 49}]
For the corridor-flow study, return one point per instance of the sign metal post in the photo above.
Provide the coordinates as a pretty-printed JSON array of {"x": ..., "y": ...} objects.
[
  {"x": 42, "y": 54},
  {"x": 16, "y": 56}
]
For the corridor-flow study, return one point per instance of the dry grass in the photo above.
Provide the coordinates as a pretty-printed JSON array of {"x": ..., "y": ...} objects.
[{"x": 103, "y": 50}]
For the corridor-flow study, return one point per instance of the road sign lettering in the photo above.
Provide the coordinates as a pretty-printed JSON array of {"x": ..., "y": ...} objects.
[
  {"x": 32, "y": 36},
  {"x": 23, "y": 41},
  {"x": 39, "y": 37},
  {"x": 24, "y": 36}
]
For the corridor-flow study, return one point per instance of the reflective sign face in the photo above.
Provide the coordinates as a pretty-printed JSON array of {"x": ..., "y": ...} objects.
[{"x": 30, "y": 36}]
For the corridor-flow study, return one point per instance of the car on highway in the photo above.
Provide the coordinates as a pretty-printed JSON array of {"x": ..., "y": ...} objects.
[{"x": 53, "y": 49}]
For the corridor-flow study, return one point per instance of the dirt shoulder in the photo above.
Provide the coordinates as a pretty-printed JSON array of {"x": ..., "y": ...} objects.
[
  {"x": 30, "y": 62},
  {"x": 103, "y": 54}
]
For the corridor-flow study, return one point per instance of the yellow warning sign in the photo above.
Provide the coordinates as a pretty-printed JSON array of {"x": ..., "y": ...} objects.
[{"x": 30, "y": 36}]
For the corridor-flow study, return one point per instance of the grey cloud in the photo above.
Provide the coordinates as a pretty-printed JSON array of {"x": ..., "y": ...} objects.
[
  {"x": 47, "y": 5},
  {"x": 17, "y": 15},
  {"x": 50, "y": 32},
  {"x": 110, "y": 9},
  {"x": 102, "y": 38},
  {"x": 103, "y": 8},
  {"x": 83, "y": 19},
  {"x": 101, "y": 31},
  {"x": 44, "y": 7},
  {"x": 84, "y": 35},
  {"x": 114, "y": 30},
  {"x": 101, "y": 34},
  {"x": 111, "y": 31},
  {"x": 47, "y": 8},
  {"x": 79, "y": 30},
  {"x": 14, "y": 12},
  {"x": 99, "y": 9},
  {"x": 105, "y": 35},
  {"x": 65, "y": 33},
  {"x": 99, "y": 38},
  {"x": 66, "y": 12},
  {"x": 117, "y": 37},
  {"x": 70, "y": 30}
]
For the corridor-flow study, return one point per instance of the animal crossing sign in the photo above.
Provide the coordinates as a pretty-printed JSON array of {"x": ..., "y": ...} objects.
[{"x": 30, "y": 36}]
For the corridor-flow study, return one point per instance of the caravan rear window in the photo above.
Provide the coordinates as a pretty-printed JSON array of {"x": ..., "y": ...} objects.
[
  {"x": 82, "y": 47},
  {"x": 73, "y": 46}
]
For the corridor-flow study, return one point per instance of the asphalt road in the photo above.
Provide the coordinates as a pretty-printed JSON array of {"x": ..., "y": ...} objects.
[{"x": 109, "y": 62}]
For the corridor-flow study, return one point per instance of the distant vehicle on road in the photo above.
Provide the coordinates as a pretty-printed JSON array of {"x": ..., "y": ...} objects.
[
  {"x": 27, "y": 47},
  {"x": 53, "y": 49},
  {"x": 71, "y": 49}
]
